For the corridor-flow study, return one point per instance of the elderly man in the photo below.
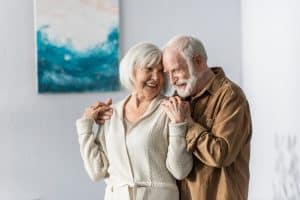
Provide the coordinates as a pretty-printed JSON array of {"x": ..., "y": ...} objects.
[{"x": 219, "y": 121}]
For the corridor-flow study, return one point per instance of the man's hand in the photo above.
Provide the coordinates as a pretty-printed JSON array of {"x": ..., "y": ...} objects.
[
  {"x": 177, "y": 110},
  {"x": 99, "y": 111}
]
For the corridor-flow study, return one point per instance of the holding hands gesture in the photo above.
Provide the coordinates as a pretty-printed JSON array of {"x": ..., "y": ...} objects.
[
  {"x": 177, "y": 110},
  {"x": 99, "y": 111}
]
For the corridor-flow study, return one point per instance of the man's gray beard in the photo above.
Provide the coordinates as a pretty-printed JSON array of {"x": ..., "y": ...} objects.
[{"x": 190, "y": 86}]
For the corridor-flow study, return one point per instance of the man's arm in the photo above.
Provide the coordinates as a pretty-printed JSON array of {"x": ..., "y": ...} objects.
[{"x": 230, "y": 130}]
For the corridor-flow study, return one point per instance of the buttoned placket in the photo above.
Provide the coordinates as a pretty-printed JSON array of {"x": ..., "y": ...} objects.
[{"x": 132, "y": 183}]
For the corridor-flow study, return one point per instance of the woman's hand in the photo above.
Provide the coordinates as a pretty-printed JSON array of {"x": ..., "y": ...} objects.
[
  {"x": 177, "y": 110},
  {"x": 99, "y": 111}
]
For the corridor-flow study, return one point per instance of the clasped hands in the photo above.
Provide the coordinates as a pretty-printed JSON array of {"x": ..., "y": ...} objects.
[
  {"x": 99, "y": 111},
  {"x": 177, "y": 110}
]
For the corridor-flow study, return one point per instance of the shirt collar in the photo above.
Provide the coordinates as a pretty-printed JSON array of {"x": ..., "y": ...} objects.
[{"x": 213, "y": 84}]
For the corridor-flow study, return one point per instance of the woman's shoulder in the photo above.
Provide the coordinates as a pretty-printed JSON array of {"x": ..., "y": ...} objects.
[
  {"x": 160, "y": 111},
  {"x": 119, "y": 104}
]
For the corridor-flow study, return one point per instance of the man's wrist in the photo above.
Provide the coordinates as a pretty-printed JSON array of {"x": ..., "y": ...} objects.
[
  {"x": 190, "y": 121},
  {"x": 178, "y": 121}
]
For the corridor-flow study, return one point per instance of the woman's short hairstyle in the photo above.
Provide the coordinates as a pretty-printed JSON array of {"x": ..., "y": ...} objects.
[{"x": 140, "y": 55}]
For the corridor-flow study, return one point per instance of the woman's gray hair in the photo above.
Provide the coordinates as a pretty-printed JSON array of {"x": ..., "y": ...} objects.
[
  {"x": 140, "y": 55},
  {"x": 188, "y": 46}
]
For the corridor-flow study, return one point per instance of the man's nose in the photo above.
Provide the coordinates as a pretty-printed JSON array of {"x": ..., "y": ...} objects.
[{"x": 173, "y": 79}]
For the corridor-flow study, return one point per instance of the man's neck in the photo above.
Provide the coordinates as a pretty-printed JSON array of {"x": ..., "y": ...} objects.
[{"x": 203, "y": 80}]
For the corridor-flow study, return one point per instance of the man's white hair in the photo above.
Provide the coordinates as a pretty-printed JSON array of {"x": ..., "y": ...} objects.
[
  {"x": 188, "y": 46},
  {"x": 140, "y": 55}
]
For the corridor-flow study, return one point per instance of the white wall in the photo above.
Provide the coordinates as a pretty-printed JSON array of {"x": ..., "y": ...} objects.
[
  {"x": 38, "y": 146},
  {"x": 271, "y": 46},
  {"x": 216, "y": 23}
]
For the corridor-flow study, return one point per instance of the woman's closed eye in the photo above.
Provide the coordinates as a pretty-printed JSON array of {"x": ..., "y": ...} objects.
[{"x": 148, "y": 69}]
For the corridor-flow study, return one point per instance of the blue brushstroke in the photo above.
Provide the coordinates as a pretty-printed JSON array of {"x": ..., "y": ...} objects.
[{"x": 61, "y": 68}]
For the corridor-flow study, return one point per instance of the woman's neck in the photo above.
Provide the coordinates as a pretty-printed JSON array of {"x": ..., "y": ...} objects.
[
  {"x": 136, "y": 107},
  {"x": 137, "y": 100}
]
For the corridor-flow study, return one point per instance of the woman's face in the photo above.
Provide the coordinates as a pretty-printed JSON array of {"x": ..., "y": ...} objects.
[{"x": 149, "y": 81}]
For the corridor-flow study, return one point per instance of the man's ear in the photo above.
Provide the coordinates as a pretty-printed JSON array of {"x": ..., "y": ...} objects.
[{"x": 197, "y": 59}]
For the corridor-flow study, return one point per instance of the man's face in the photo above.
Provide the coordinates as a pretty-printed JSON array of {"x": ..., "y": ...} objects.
[{"x": 179, "y": 73}]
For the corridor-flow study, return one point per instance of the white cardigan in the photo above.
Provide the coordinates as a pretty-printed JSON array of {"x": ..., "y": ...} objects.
[{"x": 143, "y": 161}]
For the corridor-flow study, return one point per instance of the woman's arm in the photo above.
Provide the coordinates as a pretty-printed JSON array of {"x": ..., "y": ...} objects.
[
  {"x": 92, "y": 149},
  {"x": 179, "y": 161}
]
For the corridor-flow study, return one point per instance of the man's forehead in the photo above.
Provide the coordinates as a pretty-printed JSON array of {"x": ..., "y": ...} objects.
[
  {"x": 172, "y": 66},
  {"x": 173, "y": 57},
  {"x": 171, "y": 52}
]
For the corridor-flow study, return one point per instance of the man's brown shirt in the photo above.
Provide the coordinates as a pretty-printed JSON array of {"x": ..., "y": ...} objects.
[{"x": 219, "y": 141}]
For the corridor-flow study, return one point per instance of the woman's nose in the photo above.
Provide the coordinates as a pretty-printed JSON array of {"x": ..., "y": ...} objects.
[{"x": 155, "y": 76}]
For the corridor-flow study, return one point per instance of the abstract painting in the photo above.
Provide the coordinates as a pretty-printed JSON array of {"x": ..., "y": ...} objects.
[{"x": 77, "y": 45}]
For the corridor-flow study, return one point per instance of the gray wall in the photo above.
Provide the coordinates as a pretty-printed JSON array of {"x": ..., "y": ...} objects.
[{"x": 38, "y": 146}]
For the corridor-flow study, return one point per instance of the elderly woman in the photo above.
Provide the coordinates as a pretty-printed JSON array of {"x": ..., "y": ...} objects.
[{"x": 139, "y": 148}]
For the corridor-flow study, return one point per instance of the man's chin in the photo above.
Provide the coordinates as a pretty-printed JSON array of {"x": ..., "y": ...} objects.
[{"x": 183, "y": 94}]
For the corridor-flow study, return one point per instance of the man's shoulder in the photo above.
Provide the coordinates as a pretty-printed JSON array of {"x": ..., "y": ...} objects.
[
  {"x": 230, "y": 89},
  {"x": 222, "y": 85}
]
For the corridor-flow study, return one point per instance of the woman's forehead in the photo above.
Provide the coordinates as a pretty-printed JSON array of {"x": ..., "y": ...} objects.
[{"x": 156, "y": 65}]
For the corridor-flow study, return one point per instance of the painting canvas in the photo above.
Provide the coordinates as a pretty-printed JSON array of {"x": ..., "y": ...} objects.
[{"x": 77, "y": 45}]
